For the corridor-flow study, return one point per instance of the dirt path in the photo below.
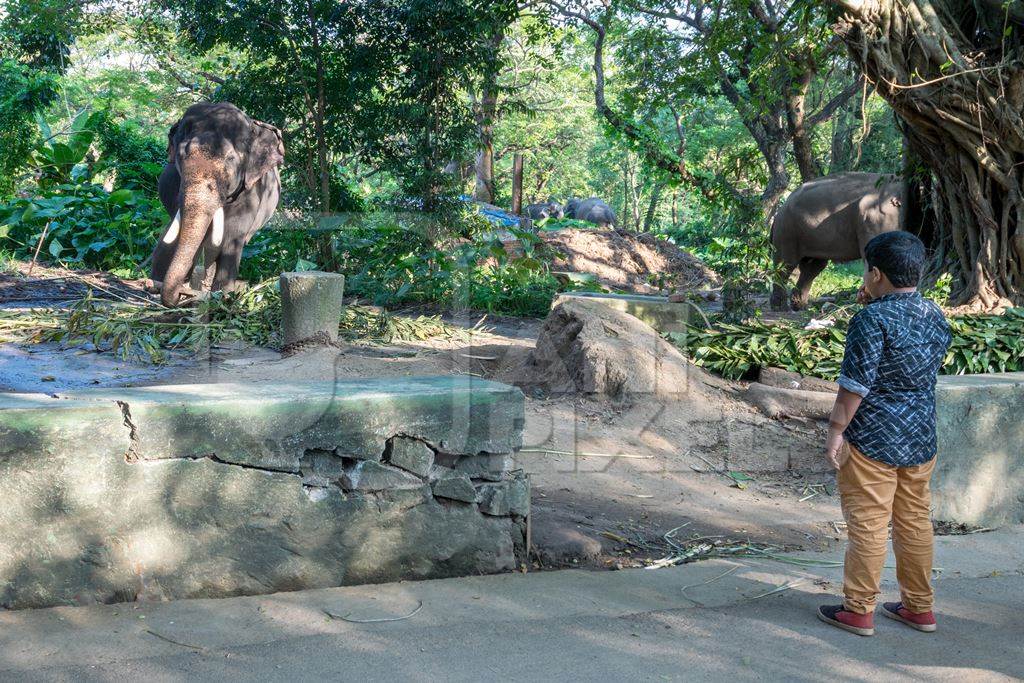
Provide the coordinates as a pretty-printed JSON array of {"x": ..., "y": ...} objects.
[{"x": 591, "y": 510}]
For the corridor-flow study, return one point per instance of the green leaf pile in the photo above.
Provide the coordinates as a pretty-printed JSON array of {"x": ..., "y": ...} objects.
[{"x": 981, "y": 344}]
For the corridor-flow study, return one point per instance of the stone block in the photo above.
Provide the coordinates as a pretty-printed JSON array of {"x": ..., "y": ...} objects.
[
  {"x": 494, "y": 499},
  {"x": 456, "y": 488},
  {"x": 519, "y": 495},
  {"x": 369, "y": 475},
  {"x": 411, "y": 454},
  {"x": 311, "y": 304},
  {"x": 979, "y": 473},
  {"x": 487, "y": 466},
  {"x": 211, "y": 491}
]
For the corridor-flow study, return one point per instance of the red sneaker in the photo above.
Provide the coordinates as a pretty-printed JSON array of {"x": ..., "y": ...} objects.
[
  {"x": 861, "y": 624},
  {"x": 925, "y": 621}
]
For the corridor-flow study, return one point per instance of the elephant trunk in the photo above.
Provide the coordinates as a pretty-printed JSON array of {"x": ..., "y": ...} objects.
[{"x": 200, "y": 207}]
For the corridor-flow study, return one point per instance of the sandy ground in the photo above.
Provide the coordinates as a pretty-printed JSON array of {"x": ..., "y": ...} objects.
[{"x": 608, "y": 509}]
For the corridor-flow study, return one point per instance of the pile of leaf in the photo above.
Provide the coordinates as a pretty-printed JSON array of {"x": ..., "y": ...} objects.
[
  {"x": 981, "y": 344},
  {"x": 138, "y": 329}
]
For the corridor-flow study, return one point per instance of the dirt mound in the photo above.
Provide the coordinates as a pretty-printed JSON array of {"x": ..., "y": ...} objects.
[
  {"x": 588, "y": 348},
  {"x": 635, "y": 262}
]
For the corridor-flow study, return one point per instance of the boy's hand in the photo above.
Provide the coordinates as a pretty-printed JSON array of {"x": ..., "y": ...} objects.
[
  {"x": 834, "y": 451},
  {"x": 862, "y": 295}
]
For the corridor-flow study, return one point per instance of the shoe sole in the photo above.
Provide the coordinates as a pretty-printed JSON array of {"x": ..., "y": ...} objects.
[
  {"x": 923, "y": 628},
  {"x": 847, "y": 627}
]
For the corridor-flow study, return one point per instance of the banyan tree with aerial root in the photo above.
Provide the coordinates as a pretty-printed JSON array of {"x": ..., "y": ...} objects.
[{"x": 954, "y": 72}]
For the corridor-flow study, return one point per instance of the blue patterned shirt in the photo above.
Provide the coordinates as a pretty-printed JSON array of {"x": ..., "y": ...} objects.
[{"x": 894, "y": 349}]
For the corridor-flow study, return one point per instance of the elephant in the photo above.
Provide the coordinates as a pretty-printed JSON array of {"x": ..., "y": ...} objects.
[
  {"x": 595, "y": 211},
  {"x": 549, "y": 209},
  {"x": 827, "y": 219},
  {"x": 569, "y": 210},
  {"x": 220, "y": 185}
]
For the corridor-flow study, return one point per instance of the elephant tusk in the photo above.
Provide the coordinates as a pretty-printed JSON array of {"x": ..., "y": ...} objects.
[
  {"x": 172, "y": 231},
  {"x": 218, "y": 227}
]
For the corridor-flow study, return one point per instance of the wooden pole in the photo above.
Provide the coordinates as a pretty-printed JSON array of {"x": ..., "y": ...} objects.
[{"x": 517, "y": 184}]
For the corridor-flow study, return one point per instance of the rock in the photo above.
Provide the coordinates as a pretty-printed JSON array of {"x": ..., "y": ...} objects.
[
  {"x": 784, "y": 379},
  {"x": 456, "y": 488},
  {"x": 411, "y": 454},
  {"x": 494, "y": 499},
  {"x": 310, "y": 305},
  {"x": 778, "y": 403},
  {"x": 519, "y": 496},
  {"x": 367, "y": 475},
  {"x": 587, "y": 347},
  {"x": 488, "y": 466},
  {"x": 320, "y": 467},
  {"x": 559, "y": 542}
]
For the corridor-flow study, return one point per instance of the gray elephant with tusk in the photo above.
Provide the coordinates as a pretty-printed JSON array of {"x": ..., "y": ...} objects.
[{"x": 220, "y": 185}]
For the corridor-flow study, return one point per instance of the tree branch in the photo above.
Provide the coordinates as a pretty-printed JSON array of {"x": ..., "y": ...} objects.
[{"x": 826, "y": 112}]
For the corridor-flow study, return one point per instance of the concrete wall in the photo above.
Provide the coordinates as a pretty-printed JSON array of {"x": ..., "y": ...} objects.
[
  {"x": 979, "y": 474},
  {"x": 216, "y": 490}
]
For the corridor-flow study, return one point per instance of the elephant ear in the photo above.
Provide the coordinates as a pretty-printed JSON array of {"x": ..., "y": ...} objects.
[
  {"x": 265, "y": 152},
  {"x": 170, "y": 142}
]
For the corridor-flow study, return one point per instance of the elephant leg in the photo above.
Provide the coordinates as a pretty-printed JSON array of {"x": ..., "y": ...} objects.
[
  {"x": 228, "y": 263},
  {"x": 783, "y": 271},
  {"x": 810, "y": 268},
  {"x": 161, "y": 259}
]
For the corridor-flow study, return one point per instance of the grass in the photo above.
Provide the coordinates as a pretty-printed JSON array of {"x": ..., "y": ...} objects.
[{"x": 838, "y": 277}]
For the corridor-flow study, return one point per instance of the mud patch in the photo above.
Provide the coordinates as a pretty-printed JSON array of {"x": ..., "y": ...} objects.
[{"x": 628, "y": 261}]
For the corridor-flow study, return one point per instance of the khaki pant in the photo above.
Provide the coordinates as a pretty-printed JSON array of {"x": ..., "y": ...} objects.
[{"x": 872, "y": 493}]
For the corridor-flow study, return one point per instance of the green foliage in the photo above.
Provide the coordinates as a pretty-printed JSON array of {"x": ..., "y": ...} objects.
[
  {"x": 23, "y": 93},
  {"x": 61, "y": 158},
  {"x": 838, "y": 278},
  {"x": 85, "y": 225},
  {"x": 981, "y": 344},
  {"x": 402, "y": 259},
  {"x": 134, "y": 157}
]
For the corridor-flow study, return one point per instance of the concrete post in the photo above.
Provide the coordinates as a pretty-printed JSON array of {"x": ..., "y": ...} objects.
[{"x": 310, "y": 304}]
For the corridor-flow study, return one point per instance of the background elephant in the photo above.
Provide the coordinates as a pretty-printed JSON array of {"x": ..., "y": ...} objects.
[
  {"x": 548, "y": 209},
  {"x": 220, "y": 185},
  {"x": 569, "y": 210},
  {"x": 831, "y": 219},
  {"x": 595, "y": 211}
]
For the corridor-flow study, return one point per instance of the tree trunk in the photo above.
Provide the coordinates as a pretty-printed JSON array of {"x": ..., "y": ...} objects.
[
  {"x": 652, "y": 207},
  {"x": 796, "y": 117},
  {"x": 961, "y": 92}
]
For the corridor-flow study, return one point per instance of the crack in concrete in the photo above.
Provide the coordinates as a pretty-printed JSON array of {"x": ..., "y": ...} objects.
[{"x": 132, "y": 454}]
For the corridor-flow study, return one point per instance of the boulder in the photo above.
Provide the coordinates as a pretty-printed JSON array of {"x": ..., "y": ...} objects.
[
  {"x": 777, "y": 402},
  {"x": 586, "y": 347},
  {"x": 784, "y": 379}
]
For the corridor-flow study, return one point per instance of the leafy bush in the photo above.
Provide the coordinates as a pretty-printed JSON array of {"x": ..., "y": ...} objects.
[
  {"x": 135, "y": 157},
  {"x": 981, "y": 344},
  {"x": 63, "y": 158},
  {"x": 392, "y": 260},
  {"x": 84, "y": 225},
  {"x": 23, "y": 92}
]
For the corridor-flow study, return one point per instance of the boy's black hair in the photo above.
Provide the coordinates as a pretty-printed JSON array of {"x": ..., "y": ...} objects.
[{"x": 900, "y": 255}]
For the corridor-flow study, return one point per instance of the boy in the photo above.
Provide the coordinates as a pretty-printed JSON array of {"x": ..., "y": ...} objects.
[{"x": 881, "y": 437}]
